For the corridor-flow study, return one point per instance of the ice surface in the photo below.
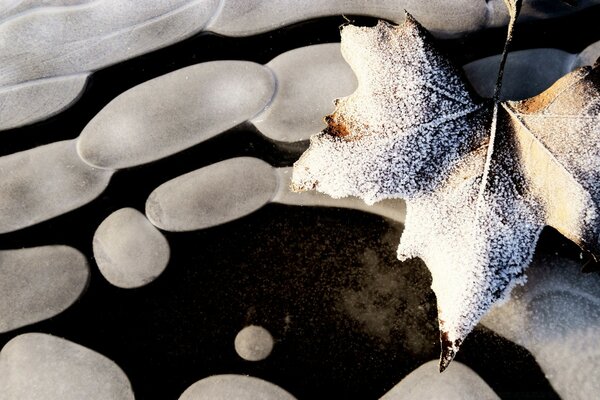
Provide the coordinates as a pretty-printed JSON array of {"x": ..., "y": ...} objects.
[
  {"x": 38, "y": 366},
  {"x": 233, "y": 188},
  {"x": 394, "y": 209},
  {"x": 39, "y": 283},
  {"x": 444, "y": 18},
  {"x": 44, "y": 182},
  {"x": 175, "y": 111},
  {"x": 35, "y": 100},
  {"x": 212, "y": 195},
  {"x": 556, "y": 316},
  {"x": 588, "y": 56},
  {"x": 459, "y": 382},
  {"x": 239, "y": 387},
  {"x": 11, "y": 8},
  {"x": 527, "y": 72},
  {"x": 129, "y": 250},
  {"x": 253, "y": 343},
  {"x": 308, "y": 80},
  {"x": 80, "y": 38},
  {"x": 75, "y": 37}
]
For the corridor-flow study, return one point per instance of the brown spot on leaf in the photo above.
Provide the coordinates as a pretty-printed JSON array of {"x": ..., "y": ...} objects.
[{"x": 335, "y": 128}]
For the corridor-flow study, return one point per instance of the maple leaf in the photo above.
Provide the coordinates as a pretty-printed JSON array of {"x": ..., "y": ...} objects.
[{"x": 480, "y": 178}]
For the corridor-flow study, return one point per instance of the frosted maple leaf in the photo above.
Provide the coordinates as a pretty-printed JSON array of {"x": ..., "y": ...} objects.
[{"x": 480, "y": 178}]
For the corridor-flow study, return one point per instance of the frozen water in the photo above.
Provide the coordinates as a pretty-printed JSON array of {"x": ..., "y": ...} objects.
[
  {"x": 212, "y": 195},
  {"x": 129, "y": 250},
  {"x": 70, "y": 40},
  {"x": 39, "y": 283},
  {"x": 394, "y": 209},
  {"x": 239, "y": 387},
  {"x": 556, "y": 316},
  {"x": 458, "y": 382},
  {"x": 38, "y": 366},
  {"x": 79, "y": 38},
  {"x": 233, "y": 188},
  {"x": 10, "y": 8},
  {"x": 444, "y": 18},
  {"x": 175, "y": 111},
  {"x": 527, "y": 72},
  {"x": 34, "y": 100},
  {"x": 588, "y": 56},
  {"x": 253, "y": 343},
  {"x": 308, "y": 80},
  {"x": 75, "y": 37},
  {"x": 44, "y": 182}
]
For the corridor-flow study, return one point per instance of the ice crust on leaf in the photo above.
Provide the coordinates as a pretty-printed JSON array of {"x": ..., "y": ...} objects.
[{"x": 480, "y": 178}]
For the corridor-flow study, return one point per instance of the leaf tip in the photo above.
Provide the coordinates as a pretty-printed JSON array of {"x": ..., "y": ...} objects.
[
  {"x": 411, "y": 20},
  {"x": 449, "y": 349}
]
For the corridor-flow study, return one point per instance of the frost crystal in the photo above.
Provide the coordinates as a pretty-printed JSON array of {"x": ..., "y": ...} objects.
[{"x": 480, "y": 178}]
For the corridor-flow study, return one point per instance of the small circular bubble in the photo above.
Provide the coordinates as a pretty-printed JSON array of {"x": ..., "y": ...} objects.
[{"x": 253, "y": 343}]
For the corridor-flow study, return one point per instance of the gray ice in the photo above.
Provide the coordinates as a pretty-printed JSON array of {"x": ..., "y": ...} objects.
[
  {"x": 233, "y": 188},
  {"x": 39, "y": 99},
  {"x": 72, "y": 38},
  {"x": 44, "y": 182},
  {"x": 10, "y": 8},
  {"x": 556, "y": 316},
  {"x": 68, "y": 39},
  {"x": 588, "y": 56},
  {"x": 39, "y": 283},
  {"x": 443, "y": 18},
  {"x": 527, "y": 72},
  {"x": 309, "y": 79},
  {"x": 458, "y": 382},
  {"x": 239, "y": 387},
  {"x": 36, "y": 366},
  {"x": 253, "y": 343},
  {"x": 129, "y": 250},
  {"x": 175, "y": 111}
]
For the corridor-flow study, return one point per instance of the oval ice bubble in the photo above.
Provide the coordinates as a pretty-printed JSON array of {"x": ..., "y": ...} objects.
[
  {"x": 309, "y": 79},
  {"x": 174, "y": 112},
  {"x": 556, "y": 316},
  {"x": 212, "y": 195},
  {"x": 129, "y": 250},
  {"x": 40, "y": 366},
  {"x": 44, "y": 182},
  {"x": 239, "y": 387},
  {"x": 458, "y": 382},
  {"x": 527, "y": 72},
  {"x": 39, "y": 283},
  {"x": 234, "y": 188}
]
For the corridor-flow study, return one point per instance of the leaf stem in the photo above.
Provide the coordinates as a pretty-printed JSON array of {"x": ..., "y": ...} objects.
[{"x": 514, "y": 6}]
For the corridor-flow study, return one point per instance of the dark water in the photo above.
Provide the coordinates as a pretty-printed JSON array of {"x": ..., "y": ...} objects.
[{"x": 348, "y": 319}]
